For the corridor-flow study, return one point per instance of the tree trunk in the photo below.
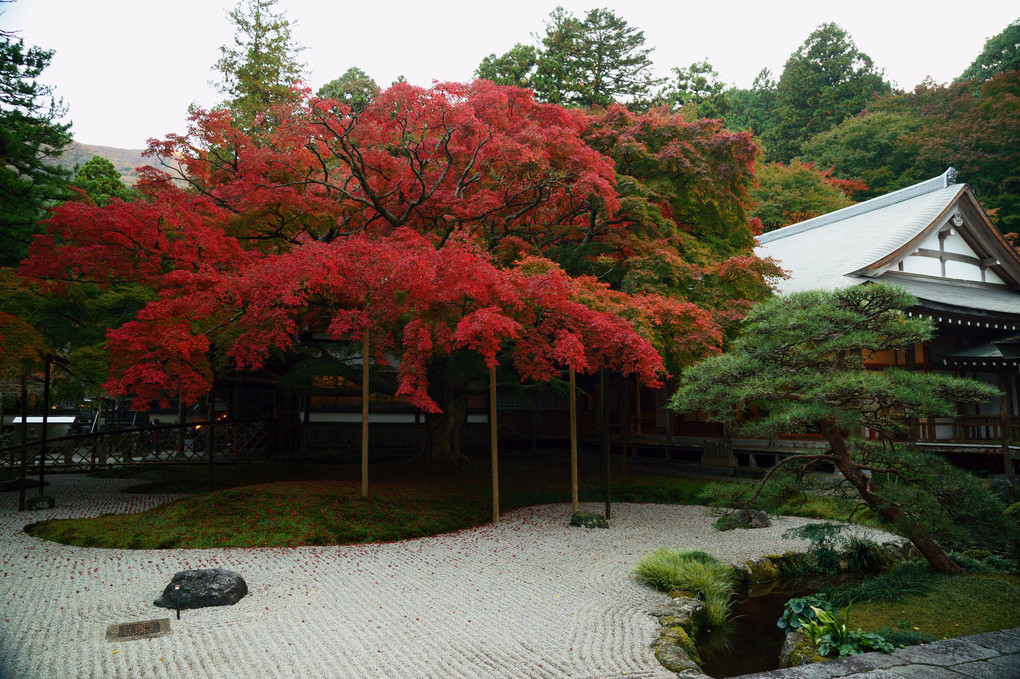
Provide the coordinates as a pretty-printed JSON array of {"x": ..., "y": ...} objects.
[
  {"x": 889, "y": 512},
  {"x": 442, "y": 431},
  {"x": 450, "y": 382}
]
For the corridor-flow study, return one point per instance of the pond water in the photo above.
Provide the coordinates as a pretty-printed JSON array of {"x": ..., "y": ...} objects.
[{"x": 750, "y": 641}]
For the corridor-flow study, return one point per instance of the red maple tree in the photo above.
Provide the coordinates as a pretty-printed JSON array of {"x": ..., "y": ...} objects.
[{"x": 459, "y": 218}]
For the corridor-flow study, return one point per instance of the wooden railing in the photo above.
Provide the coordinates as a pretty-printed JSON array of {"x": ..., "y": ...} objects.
[
  {"x": 165, "y": 443},
  {"x": 967, "y": 429}
]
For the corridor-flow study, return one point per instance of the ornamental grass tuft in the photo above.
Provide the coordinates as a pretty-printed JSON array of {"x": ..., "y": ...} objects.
[{"x": 692, "y": 571}]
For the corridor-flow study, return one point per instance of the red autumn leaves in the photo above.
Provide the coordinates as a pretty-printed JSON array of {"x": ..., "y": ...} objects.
[{"x": 426, "y": 220}]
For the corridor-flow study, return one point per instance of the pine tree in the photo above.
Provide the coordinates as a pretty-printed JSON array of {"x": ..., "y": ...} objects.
[
  {"x": 29, "y": 137},
  {"x": 260, "y": 70}
]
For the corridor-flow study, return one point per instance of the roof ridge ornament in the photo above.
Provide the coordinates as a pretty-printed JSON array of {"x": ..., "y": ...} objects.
[{"x": 951, "y": 177}]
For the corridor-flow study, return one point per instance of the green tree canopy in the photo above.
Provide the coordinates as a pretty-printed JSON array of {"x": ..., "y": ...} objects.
[
  {"x": 787, "y": 194},
  {"x": 800, "y": 361},
  {"x": 905, "y": 138},
  {"x": 515, "y": 67},
  {"x": 1001, "y": 53},
  {"x": 880, "y": 148},
  {"x": 261, "y": 67},
  {"x": 593, "y": 61},
  {"x": 823, "y": 83},
  {"x": 30, "y": 137},
  {"x": 697, "y": 84},
  {"x": 354, "y": 88},
  {"x": 752, "y": 109},
  {"x": 100, "y": 181}
]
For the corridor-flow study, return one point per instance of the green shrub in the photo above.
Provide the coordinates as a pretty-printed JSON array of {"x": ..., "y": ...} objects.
[
  {"x": 824, "y": 537},
  {"x": 901, "y": 638},
  {"x": 863, "y": 555},
  {"x": 858, "y": 641},
  {"x": 784, "y": 489},
  {"x": 834, "y": 637},
  {"x": 794, "y": 565},
  {"x": 979, "y": 554},
  {"x": 691, "y": 571},
  {"x": 957, "y": 509},
  {"x": 906, "y": 579},
  {"x": 970, "y": 563},
  {"x": 802, "y": 611}
]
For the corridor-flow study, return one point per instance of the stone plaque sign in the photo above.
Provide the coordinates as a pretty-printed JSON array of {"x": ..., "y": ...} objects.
[{"x": 129, "y": 631}]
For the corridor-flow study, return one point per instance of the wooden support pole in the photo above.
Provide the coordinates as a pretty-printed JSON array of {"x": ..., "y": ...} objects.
[
  {"x": 1004, "y": 413},
  {"x": 625, "y": 420},
  {"x": 24, "y": 441},
  {"x": 364, "y": 415},
  {"x": 181, "y": 425},
  {"x": 45, "y": 423},
  {"x": 604, "y": 437},
  {"x": 494, "y": 444},
  {"x": 210, "y": 435},
  {"x": 637, "y": 405},
  {"x": 573, "y": 441}
]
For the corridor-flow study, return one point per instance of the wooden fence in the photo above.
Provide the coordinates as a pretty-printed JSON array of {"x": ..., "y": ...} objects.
[{"x": 192, "y": 443}]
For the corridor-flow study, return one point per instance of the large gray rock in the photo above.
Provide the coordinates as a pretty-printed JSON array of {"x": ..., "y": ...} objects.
[
  {"x": 204, "y": 587},
  {"x": 798, "y": 649},
  {"x": 752, "y": 518}
]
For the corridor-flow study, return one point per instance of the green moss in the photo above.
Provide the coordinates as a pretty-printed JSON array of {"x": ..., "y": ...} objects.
[
  {"x": 679, "y": 621},
  {"x": 760, "y": 570},
  {"x": 799, "y": 650},
  {"x": 676, "y": 634},
  {"x": 673, "y": 658},
  {"x": 979, "y": 603}
]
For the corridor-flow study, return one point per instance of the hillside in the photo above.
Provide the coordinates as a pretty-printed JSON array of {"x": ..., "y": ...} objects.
[{"x": 125, "y": 160}]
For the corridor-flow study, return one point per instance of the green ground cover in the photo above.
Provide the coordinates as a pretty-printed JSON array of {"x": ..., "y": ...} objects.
[
  {"x": 282, "y": 505},
  {"x": 950, "y": 606}
]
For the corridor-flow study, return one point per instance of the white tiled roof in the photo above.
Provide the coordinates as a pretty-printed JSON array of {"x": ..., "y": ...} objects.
[{"x": 822, "y": 252}]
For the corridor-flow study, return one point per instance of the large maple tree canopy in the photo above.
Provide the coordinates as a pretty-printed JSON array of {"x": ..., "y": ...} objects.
[{"x": 426, "y": 220}]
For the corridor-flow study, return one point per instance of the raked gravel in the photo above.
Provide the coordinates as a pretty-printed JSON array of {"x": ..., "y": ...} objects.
[{"x": 531, "y": 597}]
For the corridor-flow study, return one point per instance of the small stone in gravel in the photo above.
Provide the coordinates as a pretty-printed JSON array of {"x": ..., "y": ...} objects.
[
  {"x": 588, "y": 520},
  {"x": 204, "y": 587},
  {"x": 39, "y": 502}
]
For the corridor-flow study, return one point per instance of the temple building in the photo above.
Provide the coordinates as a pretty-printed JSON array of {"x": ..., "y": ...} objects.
[{"x": 936, "y": 241}]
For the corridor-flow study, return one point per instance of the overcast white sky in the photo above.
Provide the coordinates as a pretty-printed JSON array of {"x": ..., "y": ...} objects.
[{"x": 128, "y": 69}]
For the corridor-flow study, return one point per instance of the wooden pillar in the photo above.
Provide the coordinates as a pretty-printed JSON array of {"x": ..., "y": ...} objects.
[
  {"x": 573, "y": 440},
  {"x": 24, "y": 441},
  {"x": 364, "y": 415},
  {"x": 604, "y": 437},
  {"x": 97, "y": 450},
  {"x": 493, "y": 443},
  {"x": 210, "y": 435},
  {"x": 45, "y": 423},
  {"x": 1004, "y": 411},
  {"x": 624, "y": 423},
  {"x": 181, "y": 425},
  {"x": 669, "y": 422},
  {"x": 637, "y": 405}
]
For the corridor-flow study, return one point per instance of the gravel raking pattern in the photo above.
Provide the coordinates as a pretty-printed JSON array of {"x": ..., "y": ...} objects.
[{"x": 531, "y": 598}]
